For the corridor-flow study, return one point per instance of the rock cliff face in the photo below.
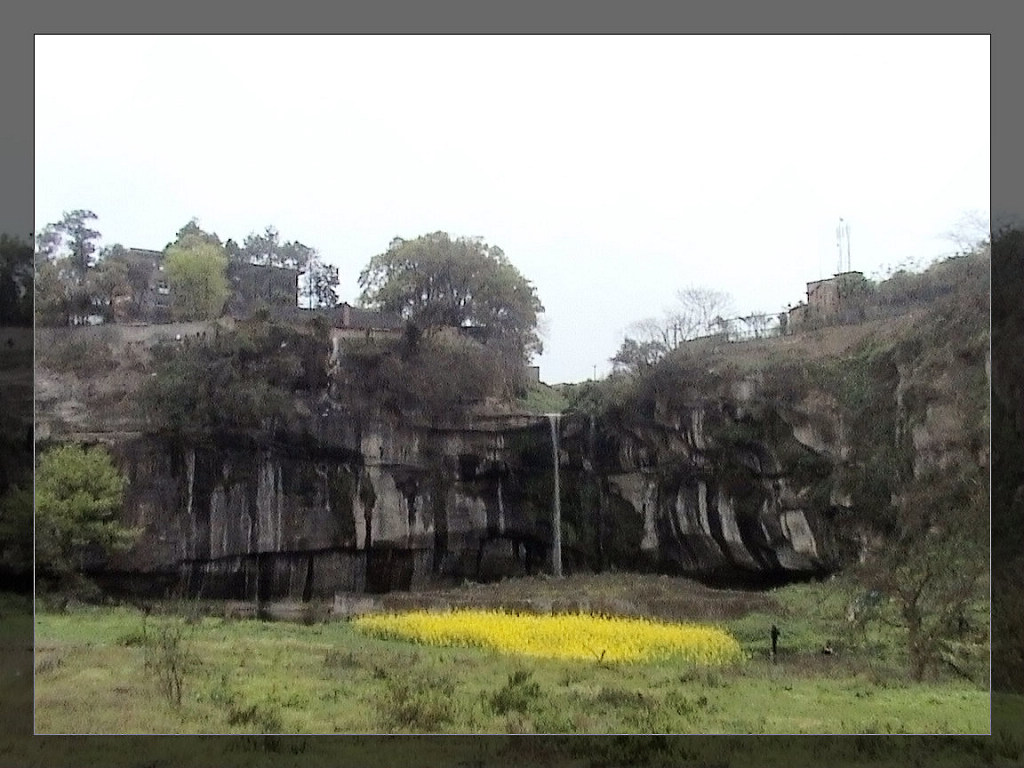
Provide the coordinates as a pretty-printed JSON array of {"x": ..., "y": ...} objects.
[
  {"x": 739, "y": 477},
  {"x": 387, "y": 506}
]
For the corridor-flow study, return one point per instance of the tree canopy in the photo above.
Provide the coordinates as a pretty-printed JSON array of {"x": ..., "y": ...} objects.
[
  {"x": 196, "y": 270},
  {"x": 435, "y": 281},
  {"x": 193, "y": 234},
  {"x": 266, "y": 249},
  {"x": 73, "y": 237},
  {"x": 78, "y": 494},
  {"x": 318, "y": 289},
  {"x": 65, "y": 254}
]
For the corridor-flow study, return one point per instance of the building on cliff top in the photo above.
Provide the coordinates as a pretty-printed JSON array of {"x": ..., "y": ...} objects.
[
  {"x": 258, "y": 285},
  {"x": 836, "y": 299},
  {"x": 251, "y": 287}
]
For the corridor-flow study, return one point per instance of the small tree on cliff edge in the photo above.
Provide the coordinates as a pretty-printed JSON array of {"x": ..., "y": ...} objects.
[
  {"x": 79, "y": 492},
  {"x": 435, "y": 282}
]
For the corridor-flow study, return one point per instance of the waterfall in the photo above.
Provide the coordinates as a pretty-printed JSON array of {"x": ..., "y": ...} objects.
[
  {"x": 556, "y": 523},
  {"x": 501, "y": 508},
  {"x": 191, "y": 482},
  {"x": 592, "y": 450}
]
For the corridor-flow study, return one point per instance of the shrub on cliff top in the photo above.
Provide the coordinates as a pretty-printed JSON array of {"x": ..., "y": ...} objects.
[{"x": 239, "y": 380}]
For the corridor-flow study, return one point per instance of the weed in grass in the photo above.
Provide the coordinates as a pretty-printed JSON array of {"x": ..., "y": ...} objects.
[
  {"x": 708, "y": 678},
  {"x": 553, "y": 719},
  {"x": 675, "y": 713},
  {"x": 684, "y": 706},
  {"x": 133, "y": 638},
  {"x": 264, "y": 716},
  {"x": 221, "y": 693},
  {"x": 519, "y": 694},
  {"x": 618, "y": 697},
  {"x": 342, "y": 660},
  {"x": 333, "y": 695},
  {"x": 570, "y": 676},
  {"x": 517, "y": 723},
  {"x": 170, "y": 657},
  {"x": 49, "y": 664},
  {"x": 417, "y": 702}
]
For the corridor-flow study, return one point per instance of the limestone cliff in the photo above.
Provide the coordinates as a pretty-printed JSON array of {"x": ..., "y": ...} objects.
[{"x": 758, "y": 462}]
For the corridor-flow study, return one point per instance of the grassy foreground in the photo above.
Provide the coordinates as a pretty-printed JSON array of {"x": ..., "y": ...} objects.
[{"x": 100, "y": 670}]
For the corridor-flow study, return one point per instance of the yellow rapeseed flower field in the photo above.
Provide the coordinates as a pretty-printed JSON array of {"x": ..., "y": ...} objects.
[{"x": 559, "y": 636}]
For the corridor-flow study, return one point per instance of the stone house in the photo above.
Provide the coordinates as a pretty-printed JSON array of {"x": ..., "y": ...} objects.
[
  {"x": 256, "y": 285},
  {"x": 348, "y": 322},
  {"x": 837, "y": 299}
]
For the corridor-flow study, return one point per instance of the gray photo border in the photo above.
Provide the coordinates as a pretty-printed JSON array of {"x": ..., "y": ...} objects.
[{"x": 459, "y": 17}]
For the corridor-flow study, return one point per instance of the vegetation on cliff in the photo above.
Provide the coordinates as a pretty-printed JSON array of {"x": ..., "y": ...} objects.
[
  {"x": 901, "y": 425},
  {"x": 251, "y": 379},
  {"x": 435, "y": 377}
]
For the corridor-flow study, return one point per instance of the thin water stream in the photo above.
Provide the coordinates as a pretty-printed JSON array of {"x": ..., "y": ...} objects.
[{"x": 556, "y": 522}]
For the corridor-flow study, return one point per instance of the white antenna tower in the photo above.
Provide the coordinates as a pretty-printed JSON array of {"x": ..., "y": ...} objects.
[{"x": 843, "y": 237}]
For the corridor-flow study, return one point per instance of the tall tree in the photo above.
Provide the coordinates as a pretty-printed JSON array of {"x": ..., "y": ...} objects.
[
  {"x": 295, "y": 255},
  {"x": 196, "y": 271},
  {"x": 321, "y": 282},
  {"x": 636, "y": 356},
  {"x": 264, "y": 249},
  {"x": 192, "y": 233},
  {"x": 69, "y": 245},
  {"x": 700, "y": 311},
  {"x": 79, "y": 492},
  {"x": 435, "y": 281},
  {"x": 81, "y": 240}
]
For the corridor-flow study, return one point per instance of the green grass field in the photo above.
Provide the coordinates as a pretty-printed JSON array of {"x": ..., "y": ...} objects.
[{"x": 249, "y": 676}]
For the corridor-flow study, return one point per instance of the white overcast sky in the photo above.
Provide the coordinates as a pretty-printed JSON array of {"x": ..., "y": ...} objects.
[{"x": 612, "y": 170}]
